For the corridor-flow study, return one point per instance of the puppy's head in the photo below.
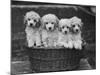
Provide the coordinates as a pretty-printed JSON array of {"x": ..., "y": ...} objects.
[
  {"x": 64, "y": 26},
  {"x": 49, "y": 22},
  {"x": 76, "y": 24},
  {"x": 32, "y": 19}
]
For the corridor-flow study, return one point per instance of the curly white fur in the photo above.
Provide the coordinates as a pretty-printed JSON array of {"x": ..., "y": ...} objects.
[
  {"x": 76, "y": 25},
  {"x": 31, "y": 20},
  {"x": 64, "y": 33},
  {"x": 49, "y": 30}
]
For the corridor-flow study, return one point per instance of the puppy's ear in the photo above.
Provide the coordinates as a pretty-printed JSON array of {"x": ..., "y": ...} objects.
[
  {"x": 81, "y": 23},
  {"x": 25, "y": 20},
  {"x": 81, "y": 26},
  {"x": 80, "y": 20},
  {"x": 38, "y": 24},
  {"x": 71, "y": 29},
  {"x": 57, "y": 22},
  {"x": 42, "y": 23},
  {"x": 59, "y": 28}
]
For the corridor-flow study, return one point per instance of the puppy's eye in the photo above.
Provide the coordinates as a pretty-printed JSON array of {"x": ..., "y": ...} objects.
[
  {"x": 35, "y": 20},
  {"x": 67, "y": 27},
  {"x": 29, "y": 19},
  {"x": 73, "y": 25},
  {"x": 52, "y": 23},
  {"x": 46, "y": 23},
  {"x": 78, "y": 25},
  {"x": 63, "y": 27}
]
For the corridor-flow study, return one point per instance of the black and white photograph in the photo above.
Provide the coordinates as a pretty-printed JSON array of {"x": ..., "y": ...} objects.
[{"x": 52, "y": 37}]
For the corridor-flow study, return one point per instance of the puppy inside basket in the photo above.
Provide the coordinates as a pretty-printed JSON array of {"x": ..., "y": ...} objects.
[{"x": 53, "y": 33}]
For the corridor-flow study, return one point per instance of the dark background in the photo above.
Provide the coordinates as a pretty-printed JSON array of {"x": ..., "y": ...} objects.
[{"x": 18, "y": 39}]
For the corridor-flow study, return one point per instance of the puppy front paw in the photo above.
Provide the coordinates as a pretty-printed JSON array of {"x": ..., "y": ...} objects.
[
  {"x": 70, "y": 45},
  {"x": 60, "y": 44},
  {"x": 77, "y": 46},
  {"x": 66, "y": 45},
  {"x": 55, "y": 44},
  {"x": 45, "y": 44},
  {"x": 30, "y": 45},
  {"x": 80, "y": 47},
  {"x": 38, "y": 45}
]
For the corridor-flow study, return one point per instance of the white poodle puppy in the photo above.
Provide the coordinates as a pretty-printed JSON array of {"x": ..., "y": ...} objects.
[
  {"x": 32, "y": 21},
  {"x": 64, "y": 33},
  {"x": 76, "y": 25},
  {"x": 49, "y": 30}
]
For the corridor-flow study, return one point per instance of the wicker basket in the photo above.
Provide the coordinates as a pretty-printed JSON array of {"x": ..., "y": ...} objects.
[{"x": 46, "y": 60}]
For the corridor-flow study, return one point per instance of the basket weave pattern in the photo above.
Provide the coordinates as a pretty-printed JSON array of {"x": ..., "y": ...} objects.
[{"x": 45, "y": 60}]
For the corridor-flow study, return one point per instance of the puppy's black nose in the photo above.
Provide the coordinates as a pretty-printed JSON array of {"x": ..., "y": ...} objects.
[
  {"x": 49, "y": 28},
  {"x": 76, "y": 30},
  {"x": 31, "y": 24},
  {"x": 65, "y": 32}
]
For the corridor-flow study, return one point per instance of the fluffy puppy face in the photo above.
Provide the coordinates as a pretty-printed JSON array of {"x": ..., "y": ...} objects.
[
  {"x": 64, "y": 26},
  {"x": 49, "y": 22},
  {"x": 76, "y": 24},
  {"x": 32, "y": 19}
]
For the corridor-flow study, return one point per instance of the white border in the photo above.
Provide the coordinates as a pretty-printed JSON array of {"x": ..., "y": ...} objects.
[
  {"x": 82, "y": 2},
  {"x": 5, "y": 37},
  {"x": 5, "y": 34}
]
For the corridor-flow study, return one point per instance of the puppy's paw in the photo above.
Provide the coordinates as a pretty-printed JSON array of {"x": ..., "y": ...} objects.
[
  {"x": 45, "y": 44},
  {"x": 55, "y": 44},
  {"x": 70, "y": 45},
  {"x": 66, "y": 45},
  {"x": 60, "y": 44},
  {"x": 30, "y": 45},
  {"x": 38, "y": 45},
  {"x": 78, "y": 46}
]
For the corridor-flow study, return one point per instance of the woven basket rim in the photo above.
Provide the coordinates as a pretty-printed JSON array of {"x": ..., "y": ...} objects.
[{"x": 32, "y": 48}]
